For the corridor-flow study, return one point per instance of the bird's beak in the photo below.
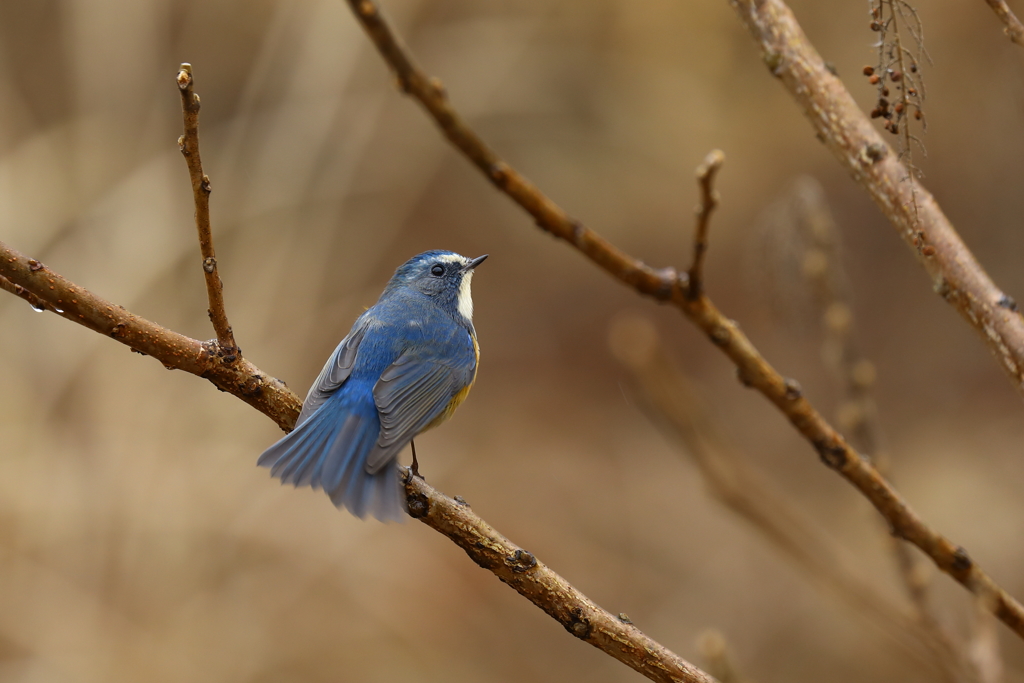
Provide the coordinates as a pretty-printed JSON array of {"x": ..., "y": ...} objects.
[{"x": 474, "y": 263}]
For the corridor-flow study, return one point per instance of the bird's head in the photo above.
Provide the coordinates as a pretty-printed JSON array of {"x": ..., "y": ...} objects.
[{"x": 443, "y": 276}]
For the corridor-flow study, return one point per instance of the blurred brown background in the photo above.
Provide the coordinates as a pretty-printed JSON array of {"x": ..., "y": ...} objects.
[{"x": 139, "y": 542}]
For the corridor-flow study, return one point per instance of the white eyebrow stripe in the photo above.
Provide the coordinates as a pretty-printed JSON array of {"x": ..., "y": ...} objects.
[{"x": 453, "y": 258}]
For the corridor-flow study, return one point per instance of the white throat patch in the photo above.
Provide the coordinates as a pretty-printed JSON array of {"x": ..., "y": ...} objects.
[{"x": 465, "y": 298}]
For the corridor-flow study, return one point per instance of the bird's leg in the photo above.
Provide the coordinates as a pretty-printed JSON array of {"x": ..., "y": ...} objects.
[{"x": 415, "y": 465}]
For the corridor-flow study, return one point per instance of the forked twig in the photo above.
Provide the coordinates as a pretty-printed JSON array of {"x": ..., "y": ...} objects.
[
  {"x": 176, "y": 351},
  {"x": 488, "y": 548},
  {"x": 516, "y": 567},
  {"x": 666, "y": 285},
  {"x": 188, "y": 143}
]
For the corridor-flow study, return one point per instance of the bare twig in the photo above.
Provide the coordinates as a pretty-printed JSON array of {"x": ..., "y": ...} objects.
[
  {"x": 514, "y": 566},
  {"x": 238, "y": 377},
  {"x": 614, "y": 635},
  {"x": 189, "y": 145},
  {"x": 708, "y": 201},
  {"x": 667, "y": 396},
  {"x": 848, "y": 133},
  {"x": 1014, "y": 28},
  {"x": 667, "y": 285}
]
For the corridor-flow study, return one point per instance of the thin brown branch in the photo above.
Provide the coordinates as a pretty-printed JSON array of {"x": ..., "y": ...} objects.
[
  {"x": 206, "y": 359},
  {"x": 708, "y": 201},
  {"x": 847, "y": 132},
  {"x": 188, "y": 143},
  {"x": 673, "y": 404},
  {"x": 521, "y": 570},
  {"x": 514, "y": 566},
  {"x": 1014, "y": 28},
  {"x": 962, "y": 277}
]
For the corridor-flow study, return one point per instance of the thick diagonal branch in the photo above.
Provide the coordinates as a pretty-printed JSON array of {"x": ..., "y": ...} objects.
[
  {"x": 176, "y": 351},
  {"x": 673, "y": 403},
  {"x": 615, "y": 635},
  {"x": 188, "y": 143},
  {"x": 667, "y": 285},
  {"x": 956, "y": 276},
  {"x": 44, "y": 288}
]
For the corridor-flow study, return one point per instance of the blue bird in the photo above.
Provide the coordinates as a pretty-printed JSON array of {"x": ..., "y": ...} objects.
[{"x": 405, "y": 366}]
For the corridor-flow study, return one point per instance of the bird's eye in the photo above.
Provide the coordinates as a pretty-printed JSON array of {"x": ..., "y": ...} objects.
[{"x": 437, "y": 270}]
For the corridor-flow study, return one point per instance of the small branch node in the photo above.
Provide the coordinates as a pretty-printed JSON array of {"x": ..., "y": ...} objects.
[
  {"x": 1007, "y": 302},
  {"x": 670, "y": 279},
  {"x": 521, "y": 561},
  {"x": 793, "y": 390},
  {"x": 437, "y": 87},
  {"x": 720, "y": 335},
  {"x": 498, "y": 173},
  {"x": 875, "y": 152},
  {"x": 366, "y": 9},
  {"x": 962, "y": 562},
  {"x": 834, "y": 455}
]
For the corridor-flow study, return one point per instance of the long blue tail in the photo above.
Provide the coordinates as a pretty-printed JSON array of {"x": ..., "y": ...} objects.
[{"x": 329, "y": 451}]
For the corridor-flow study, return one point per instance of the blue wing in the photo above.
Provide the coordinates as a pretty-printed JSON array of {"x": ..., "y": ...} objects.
[
  {"x": 385, "y": 383},
  {"x": 335, "y": 371},
  {"x": 337, "y": 428},
  {"x": 328, "y": 450},
  {"x": 415, "y": 390}
]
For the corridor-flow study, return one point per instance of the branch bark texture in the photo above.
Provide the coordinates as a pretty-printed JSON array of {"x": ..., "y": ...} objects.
[
  {"x": 673, "y": 403},
  {"x": 207, "y": 359},
  {"x": 614, "y": 635},
  {"x": 516, "y": 567},
  {"x": 958, "y": 276},
  {"x": 46, "y": 289}
]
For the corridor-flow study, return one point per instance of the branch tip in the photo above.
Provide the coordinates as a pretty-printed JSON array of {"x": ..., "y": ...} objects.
[{"x": 706, "y": 173}]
